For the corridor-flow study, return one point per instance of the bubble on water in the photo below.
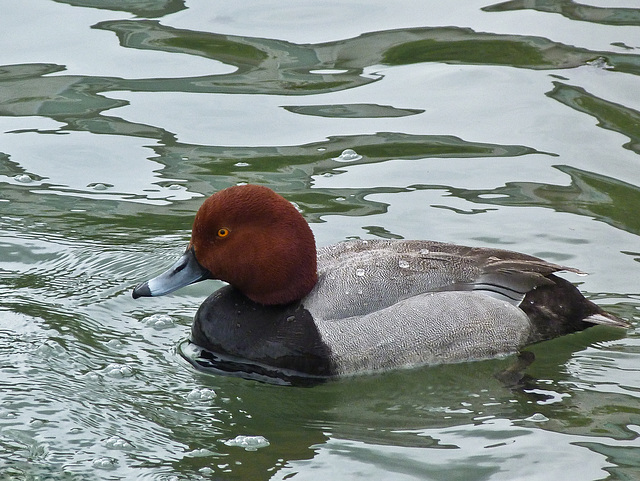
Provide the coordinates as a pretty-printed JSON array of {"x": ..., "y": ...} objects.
[
  {"x": 242, "y": 164},
  {"x": 403, "y": 264},
  {"x": 114, "y": 344},
  {"x": 99, "y": 186},
  {"x": 91, "y": 376},
  {"x": 201, "y": 394},
  {"x": 115, "y": 442},
  {"x": 537, "y": 418},
  {"x": 118, "y": 371},
  {"x": 105, "y": 463},
  {"x": 158, "y": 321},
  {"x": 22, "y": 178},
  {"x": 200, "y": 453},
  {"x": 249, "y": 443},
  {"x": 341, "y": 199},
  {"x": 600, "y": 63},
  {"x": 360, "y": 272},
  {"x": 174, "y": 187},
  {"x": 348, "y": 155},
  {"x": 36, "y": 423},
  {"x": 50, "y": 348}
]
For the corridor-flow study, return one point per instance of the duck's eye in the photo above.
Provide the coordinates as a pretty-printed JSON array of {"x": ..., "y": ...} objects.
[{"x": 224, "y": 232}]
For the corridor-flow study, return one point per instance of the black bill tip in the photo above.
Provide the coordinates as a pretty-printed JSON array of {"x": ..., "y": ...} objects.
[{"x": 141, "y": 290}]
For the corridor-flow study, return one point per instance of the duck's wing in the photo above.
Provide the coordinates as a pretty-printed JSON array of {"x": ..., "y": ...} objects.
[
  {"x": 359, "y": 277},
  {"x": 433, "y": 328},
  {"x": 502, "y": 274}
]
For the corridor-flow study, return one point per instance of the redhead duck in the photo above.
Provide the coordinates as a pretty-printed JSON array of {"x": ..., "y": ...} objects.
[{"x": 360, "y": 305}]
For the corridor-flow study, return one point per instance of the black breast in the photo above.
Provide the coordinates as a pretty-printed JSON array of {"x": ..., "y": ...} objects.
[{"x": 282, "y": 337}]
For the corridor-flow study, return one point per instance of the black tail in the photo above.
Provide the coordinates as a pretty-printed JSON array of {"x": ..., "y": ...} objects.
[{"x": 559, "y": 308}]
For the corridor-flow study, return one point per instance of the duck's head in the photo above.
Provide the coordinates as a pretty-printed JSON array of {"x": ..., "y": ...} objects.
[{"x": 250, "y": 237}]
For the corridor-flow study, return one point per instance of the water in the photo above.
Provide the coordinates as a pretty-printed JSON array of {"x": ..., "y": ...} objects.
[{"x": 510, "y": 125}]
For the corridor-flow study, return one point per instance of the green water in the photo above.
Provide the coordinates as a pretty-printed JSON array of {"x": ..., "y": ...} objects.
[{"x": 511, "y": 125}]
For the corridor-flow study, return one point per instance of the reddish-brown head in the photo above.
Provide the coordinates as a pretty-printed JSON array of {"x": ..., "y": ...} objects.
[{"x": 258, "y": 242}]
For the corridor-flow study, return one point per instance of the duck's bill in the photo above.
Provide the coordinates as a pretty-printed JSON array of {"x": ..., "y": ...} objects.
[{"x": 187, "y": 270}]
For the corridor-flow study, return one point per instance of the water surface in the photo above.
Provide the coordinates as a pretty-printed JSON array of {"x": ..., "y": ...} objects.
[{"x": 512, "y": 125}]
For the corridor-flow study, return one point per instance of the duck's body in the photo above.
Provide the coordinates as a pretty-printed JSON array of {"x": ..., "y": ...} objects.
[{"x": 361, "y": 305}]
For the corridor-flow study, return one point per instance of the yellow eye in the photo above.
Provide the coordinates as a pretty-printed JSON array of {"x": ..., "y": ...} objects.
[{"x": 224, "y": 232}]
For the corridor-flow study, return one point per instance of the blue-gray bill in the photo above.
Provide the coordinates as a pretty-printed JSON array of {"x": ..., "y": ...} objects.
[{"x": 187, "y": 270}]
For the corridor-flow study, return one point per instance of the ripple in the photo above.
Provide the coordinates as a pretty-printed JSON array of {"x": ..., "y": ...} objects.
[
  {"x": 6, "y": 414},
  {"x": 49, "y": 349}
]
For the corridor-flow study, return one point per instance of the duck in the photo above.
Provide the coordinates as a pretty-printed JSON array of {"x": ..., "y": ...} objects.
[{"x": 362, "y": 305}]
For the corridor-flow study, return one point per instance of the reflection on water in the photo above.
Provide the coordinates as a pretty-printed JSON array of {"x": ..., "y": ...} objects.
[
  {"x": 92, "y": 200},
  {"x": 353, "y": 110},
  {"x": 603, "y": 198},
  {"x": 140, "y": 8},
  {"x": 610, "y": 116},
  {"x": 574, "y": 11},
  {"x": 269, "y": 67}
]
